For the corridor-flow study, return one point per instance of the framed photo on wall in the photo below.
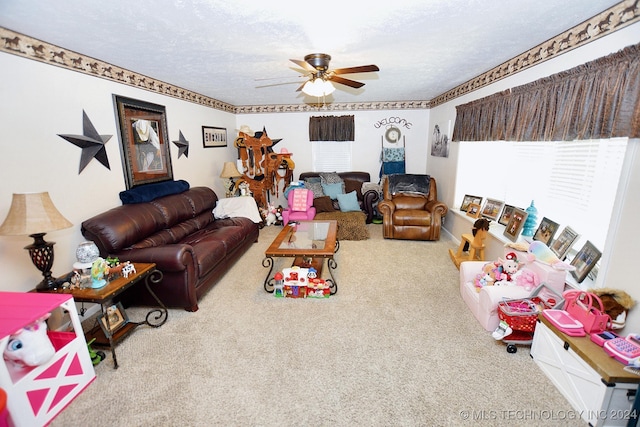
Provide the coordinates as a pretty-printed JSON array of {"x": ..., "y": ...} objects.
[
  {"x": 468, "y": 199},
  {"x": 546, "y": 230},
  {"x": 144, "y": 141},
  {"x": 492, "y": 209},
  {"x": 473, "y": 210},
  {"x": 514, "y": 227},
  {"x": 563, "y": 243},
  {"x": 584, "y": 261},
  {"x": 214, "y": 137}
]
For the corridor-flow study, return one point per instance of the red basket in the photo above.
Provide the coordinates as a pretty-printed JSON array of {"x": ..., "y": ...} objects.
[{"x": 521, "y": 314}]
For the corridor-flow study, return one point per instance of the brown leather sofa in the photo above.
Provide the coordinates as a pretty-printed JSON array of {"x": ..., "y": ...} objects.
[
  {"x": 179, "y": 233},
  {"x": 414, "y": 214},
  {"x": 366, "y": 201}
]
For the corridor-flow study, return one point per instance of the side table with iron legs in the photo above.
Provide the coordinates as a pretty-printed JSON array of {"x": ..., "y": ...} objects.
[{"x": 156, "y": 317}]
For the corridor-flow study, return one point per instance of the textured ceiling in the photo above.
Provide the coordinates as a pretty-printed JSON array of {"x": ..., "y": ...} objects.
[{"x": 222, "y": 48}]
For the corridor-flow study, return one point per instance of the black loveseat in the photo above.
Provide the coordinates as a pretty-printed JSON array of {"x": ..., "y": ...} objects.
[{"x": 366, "y": 200}]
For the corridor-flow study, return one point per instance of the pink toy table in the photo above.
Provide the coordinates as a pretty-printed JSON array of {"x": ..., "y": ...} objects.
[{"x": 35, "y": 395}]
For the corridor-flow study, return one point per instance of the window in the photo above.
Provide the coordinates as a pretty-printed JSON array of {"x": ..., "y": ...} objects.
[
  {"x": 331, "y": 156},
  {"x": 572, "y": 182}
]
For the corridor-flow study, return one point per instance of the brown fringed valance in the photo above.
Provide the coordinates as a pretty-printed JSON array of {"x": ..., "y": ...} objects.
[
  {"x": 599, "y": 99},
  {"x": 331, "y": 128}
]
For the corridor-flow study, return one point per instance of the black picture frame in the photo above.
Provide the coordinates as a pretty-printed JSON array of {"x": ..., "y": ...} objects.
[
  {"x": 584, "y": 261},
  {"x": 468, "y": 199},
  {"x": 546, "y": 231},
  {"x": 563, "y": 243},
  {"x": 214, "y": 137},
  {"x": 144, "y": 141}
]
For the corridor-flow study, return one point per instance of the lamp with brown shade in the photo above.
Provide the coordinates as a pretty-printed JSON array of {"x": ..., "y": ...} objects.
[
  {"x": 34, "y": 214},
  {"x": 229, "y": 172}
]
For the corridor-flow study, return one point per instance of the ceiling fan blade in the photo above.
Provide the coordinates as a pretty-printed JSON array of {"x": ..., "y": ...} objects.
[
  {"x": 276, "y": 84},
  {"x": 303, "y": 64},
  {"x": 360, "y": 69},
  {"x": 275, "y": 78},
  {"x": 301, "y": 86},
  {"x": 346, "y": 82}
]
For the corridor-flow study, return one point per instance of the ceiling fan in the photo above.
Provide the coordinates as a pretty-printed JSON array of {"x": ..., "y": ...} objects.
[{"x": 320, "y": 76}]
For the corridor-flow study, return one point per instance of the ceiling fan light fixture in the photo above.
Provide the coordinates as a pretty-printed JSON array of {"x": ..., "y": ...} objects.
[{"x": 318, "y": 87}]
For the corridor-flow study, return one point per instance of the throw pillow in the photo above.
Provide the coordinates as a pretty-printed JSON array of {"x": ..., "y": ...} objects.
[
  {"x": 348, "y": 202},
  {"x": 330, "y": 177},
  {"x": 332, "y": 190},
  {"x": 316, "y": 187},
  {"x": 353, "y": 185},
  {"x": 323, "y": 204}
]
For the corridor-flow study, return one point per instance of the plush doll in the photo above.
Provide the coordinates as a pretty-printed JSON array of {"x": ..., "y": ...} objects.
[
  {"x": 30, "y": 346},
  {"x": 510, "y": 266},
  {"x": 546, "y": 255},
  {"x": 270, "y": 215},
  {"x": 616, "y": 304},
  {"x": 526, "y": 279}
]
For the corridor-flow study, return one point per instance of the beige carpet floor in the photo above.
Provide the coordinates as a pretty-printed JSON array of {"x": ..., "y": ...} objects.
[{"x": 396, "y": 346}]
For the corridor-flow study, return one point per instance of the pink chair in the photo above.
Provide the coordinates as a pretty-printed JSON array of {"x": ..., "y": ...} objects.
[{"x": 300, "y": 208}]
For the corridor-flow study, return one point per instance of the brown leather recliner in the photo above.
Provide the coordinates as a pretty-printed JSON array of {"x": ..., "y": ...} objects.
[{"x": 410, "y": 208}]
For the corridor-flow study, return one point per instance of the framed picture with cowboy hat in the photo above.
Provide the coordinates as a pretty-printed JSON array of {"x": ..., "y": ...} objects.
[
  {"x": 145, "y": 141},
  {"x": 214, "y": 137}
]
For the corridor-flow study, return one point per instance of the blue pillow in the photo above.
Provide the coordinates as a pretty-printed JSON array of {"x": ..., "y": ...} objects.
[
  {"x": 348, "y": 202},
  {"x": 332, "y": 190}
]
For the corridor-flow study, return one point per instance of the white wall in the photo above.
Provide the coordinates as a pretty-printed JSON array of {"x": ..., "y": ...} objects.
[
  {"x": 293, "y": 128},
  {"x": 615, "y": 270},
  {"x": 40, "y": 101}
]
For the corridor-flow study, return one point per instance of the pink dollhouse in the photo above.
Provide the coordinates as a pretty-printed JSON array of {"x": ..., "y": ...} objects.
[{"x": 36, "y": 394}]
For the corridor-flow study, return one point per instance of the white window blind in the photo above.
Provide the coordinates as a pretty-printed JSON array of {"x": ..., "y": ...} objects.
[
  {"x": 331, "y": 156},
  {"x": 573, "y": 183}
]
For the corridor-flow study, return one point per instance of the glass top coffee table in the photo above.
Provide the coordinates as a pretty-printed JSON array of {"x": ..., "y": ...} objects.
[{"x": 309, "y": 243}]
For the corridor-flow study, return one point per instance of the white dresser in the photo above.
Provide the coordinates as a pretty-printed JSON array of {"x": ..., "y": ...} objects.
[{"x": 596, "y": 385}]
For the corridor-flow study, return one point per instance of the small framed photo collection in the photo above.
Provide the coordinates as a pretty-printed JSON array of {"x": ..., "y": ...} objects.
[{"x": 513, "y": 219}]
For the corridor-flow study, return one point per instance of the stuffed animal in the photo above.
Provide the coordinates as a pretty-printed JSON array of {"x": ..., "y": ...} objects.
[
  {"x": 526, "y": 279},
  {"x": 270, "y": 215},
  {"x": 546, "y": 255},
  {"x": 616, "y": 304},
  {"x": 30, "y": 346},
  {"x": 510, "y": 266}
]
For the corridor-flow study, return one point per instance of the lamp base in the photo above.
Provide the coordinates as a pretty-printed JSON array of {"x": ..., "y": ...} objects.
[{"x": 41, "y": 253}]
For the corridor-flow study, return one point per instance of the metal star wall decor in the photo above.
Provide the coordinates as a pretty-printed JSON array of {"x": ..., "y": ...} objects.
[
  {"x": 91, "y": 142},
  {"x": 183, "y": 146}
]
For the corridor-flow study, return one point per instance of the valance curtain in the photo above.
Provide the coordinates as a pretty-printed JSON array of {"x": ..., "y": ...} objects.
[
  {"x": 599, "y": 99},
  {"x": 331, "y": 128}
]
